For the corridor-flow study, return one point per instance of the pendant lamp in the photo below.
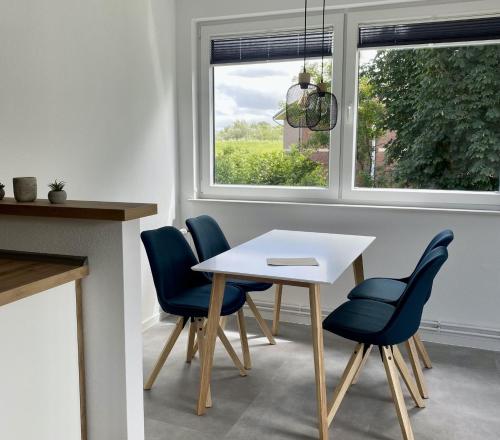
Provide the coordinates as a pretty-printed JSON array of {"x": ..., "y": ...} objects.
[
  {"x": 297, "y": 96},
  {"x": 322, "y": 111}
]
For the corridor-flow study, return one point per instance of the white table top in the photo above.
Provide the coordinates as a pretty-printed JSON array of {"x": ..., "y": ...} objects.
[{"x": 334, "y": 252}]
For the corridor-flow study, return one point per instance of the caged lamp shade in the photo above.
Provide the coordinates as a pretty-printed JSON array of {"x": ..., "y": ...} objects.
[
  {"x": 322, "y": 111},
  {"x": 298, "y": 103}
]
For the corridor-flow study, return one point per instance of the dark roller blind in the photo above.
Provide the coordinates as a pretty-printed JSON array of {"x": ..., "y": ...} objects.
[
  {"x": 283, "y": 46},
  {"x": 433, "y": 32}
]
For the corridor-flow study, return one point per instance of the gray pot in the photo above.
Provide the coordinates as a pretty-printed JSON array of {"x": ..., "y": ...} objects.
[
  {"x": 2, "y": 193},
  {"x": 57, "y": 196},
  {"x": 25, "y": 189}
]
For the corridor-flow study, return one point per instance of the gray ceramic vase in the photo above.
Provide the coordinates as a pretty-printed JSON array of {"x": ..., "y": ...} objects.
[
  {"x": 25, "y": 189},
  {"x": 57, "y": 197}
]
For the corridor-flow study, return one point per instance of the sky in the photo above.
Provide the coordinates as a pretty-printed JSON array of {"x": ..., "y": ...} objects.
[{"x": 252, "y": 92}]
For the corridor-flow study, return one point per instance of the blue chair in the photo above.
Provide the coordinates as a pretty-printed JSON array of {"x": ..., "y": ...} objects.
[
  {"x": 186, "y": 294},
  {"x": 209, "y": 241},
  {"x": 376, "y": 323},
  {"x": 389, "y": 290}
]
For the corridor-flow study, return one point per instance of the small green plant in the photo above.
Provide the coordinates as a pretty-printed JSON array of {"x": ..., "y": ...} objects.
[
  {"x": 57, "y": 186},
  {"x": 2, "y": 186}
]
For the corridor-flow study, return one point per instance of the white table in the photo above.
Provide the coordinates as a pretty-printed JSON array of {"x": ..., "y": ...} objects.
[{"x": 335, "y": 253}]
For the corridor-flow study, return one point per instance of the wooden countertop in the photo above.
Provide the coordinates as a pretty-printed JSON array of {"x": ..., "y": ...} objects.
[
  {"x": 80, "y": 209},
  {"x": 23, "y": 274}
]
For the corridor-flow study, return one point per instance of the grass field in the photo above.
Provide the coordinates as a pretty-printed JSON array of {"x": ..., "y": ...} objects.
[{"x": 249, "y": 146}]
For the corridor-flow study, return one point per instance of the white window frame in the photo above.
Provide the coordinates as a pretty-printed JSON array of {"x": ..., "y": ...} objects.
[
  {"x": 341, "y": 187},
  {"x": 274, "y": 24},
  {"x": 391, "y": 196}
]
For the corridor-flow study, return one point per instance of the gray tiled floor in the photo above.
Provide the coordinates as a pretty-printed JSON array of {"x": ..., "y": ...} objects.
[{"x": 276, "y": 400}]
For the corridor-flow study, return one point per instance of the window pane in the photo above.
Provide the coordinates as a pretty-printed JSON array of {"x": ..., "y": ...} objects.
[
  {"x": 254, "y": 145},
  {"x": 429, "y": 118}
]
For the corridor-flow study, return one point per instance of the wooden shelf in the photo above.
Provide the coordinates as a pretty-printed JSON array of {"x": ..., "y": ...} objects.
[
  {"x": 23, "y": 274},
  {"x": 79, "y": 209}
]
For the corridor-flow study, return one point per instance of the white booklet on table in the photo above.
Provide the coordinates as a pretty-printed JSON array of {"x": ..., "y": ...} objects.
[{"x": 308, "y": 261}]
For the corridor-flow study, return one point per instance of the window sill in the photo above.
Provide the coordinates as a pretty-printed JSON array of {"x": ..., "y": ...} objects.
[{"x": 458, "y": 210}]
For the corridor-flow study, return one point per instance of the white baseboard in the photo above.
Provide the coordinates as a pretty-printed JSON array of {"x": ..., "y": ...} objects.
[
  {"x": 461, "y": 335},
  {"x": 152, "y": 320}
]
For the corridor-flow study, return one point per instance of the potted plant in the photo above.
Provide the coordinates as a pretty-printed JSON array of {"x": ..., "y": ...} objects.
[
  {"x": 57, "y": 193},
  {"x": 2, "y": 191}
]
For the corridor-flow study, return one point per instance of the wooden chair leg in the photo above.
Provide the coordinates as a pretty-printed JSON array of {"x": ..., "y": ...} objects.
[
  {"x": 200, "y": 337},
  {"x": 190, "y": 343},
  {"x": 262, "y": 324},
  {"x": 345, "y": 381},
  {"x": 422, "y": 351},
  {"x": 277, "y": 308},
  {"x": 408, "y": 380},
  {"x": 195, "y": 347},
  {"x": 362, "y": 364},
  {"x": 179, "y": 325},
  {"x": 223, "y": 322},
  {"x": 230, "y": 350},
  {"x": 247, "y": 363},
  {"x": 416, "y": 367},
  {"x": 397, "y": 394}
]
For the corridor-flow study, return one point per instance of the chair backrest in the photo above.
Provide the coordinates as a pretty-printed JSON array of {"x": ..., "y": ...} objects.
[
  {"x": 208, "y": 238},
  {"x": 406, "y": 319},
  {"x": 171, "y": 259},
  {"x": 443, "y": 238}
]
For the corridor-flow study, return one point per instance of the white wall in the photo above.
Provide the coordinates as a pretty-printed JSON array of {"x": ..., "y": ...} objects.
[
  {"x": 87, "y": 95},
  {"x": 467, "y": 291}
]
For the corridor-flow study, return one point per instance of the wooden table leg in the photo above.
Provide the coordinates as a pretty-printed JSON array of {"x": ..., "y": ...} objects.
[
  {"x": 359, "y": 272},
  {"x": 216, "y": 297},
  {"x": 277, "y": 308},
  {"x": 319, "y": 367}
]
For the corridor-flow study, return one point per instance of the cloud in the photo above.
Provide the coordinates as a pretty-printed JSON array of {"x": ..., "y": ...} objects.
[
  {"x": 251, "y": 98},
  {"x": 251, "y": 92}
]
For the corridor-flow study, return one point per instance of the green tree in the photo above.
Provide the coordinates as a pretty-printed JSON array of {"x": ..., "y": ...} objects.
[
  {"x": 314, "y": 69},
  {"x": 370, "y": 126},
  {"x": 444, "y": 105},
  {"x": 262, "y": 131}
]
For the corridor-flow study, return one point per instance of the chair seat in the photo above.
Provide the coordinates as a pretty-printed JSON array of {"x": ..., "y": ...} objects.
[
  {"x": 386, "y": 290},
  {"x": 360, "y": 320},
  {"x": 194, "y": 302},
  {"x": 249, "y": 286}
]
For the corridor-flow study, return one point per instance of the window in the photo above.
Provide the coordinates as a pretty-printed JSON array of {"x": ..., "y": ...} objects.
[
  {"x": 251, "y": 151},
  {"x": 253, "y": 143},
  {"x": 419, "y": 108},
  {"x": 429, "y": 117}
]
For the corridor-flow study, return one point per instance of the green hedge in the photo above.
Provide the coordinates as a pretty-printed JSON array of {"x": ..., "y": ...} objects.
[{"x": 240, "y": 166}]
